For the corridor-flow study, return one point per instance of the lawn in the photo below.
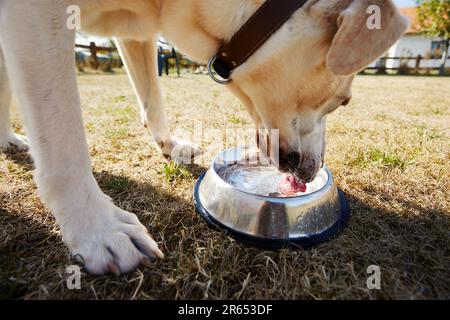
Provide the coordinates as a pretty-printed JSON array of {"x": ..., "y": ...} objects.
[{"x": 389, "y": 151}]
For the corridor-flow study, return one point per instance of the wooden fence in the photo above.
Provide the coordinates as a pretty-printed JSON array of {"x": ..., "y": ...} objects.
[
  {"x": 414, "y": 64},
  {"x": 94, "y": 50},
  {"x": 94, "y": 60}
]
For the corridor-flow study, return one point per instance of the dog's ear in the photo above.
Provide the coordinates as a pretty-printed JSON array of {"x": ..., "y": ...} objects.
[{"x": 366, "y": 30}]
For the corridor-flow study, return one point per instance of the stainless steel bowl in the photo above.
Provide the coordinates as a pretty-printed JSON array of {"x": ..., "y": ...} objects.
[{"x": 241, "y": 200}]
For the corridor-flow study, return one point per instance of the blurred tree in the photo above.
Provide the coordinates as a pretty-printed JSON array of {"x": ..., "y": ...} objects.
[{"x": 434, "y": 19}]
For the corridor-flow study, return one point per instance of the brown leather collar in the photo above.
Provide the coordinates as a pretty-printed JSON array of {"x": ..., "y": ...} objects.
[{"x": 255, "y": 32}]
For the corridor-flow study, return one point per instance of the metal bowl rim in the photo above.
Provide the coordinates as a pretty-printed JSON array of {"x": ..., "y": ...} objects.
[{"x": 328, "y": 183}]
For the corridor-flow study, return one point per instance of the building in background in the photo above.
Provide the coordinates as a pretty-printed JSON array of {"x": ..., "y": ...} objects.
[{"x": 413, "y": 44}]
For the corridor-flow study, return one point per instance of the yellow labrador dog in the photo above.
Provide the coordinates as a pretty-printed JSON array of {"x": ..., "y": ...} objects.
[{"x": 299, "y": 76}]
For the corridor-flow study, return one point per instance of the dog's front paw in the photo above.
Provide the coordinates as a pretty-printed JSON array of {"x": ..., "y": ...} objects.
[
  {"x": 13, "y": 140},
  {"x": 180, "y": 151},
  {"x": 109, "y": 239}
]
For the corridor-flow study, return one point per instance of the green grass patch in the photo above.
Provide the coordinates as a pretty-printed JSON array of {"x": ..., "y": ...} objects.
[
  {"x": 90, "y": 126},
  {"x": 120, "y": 111},
  {"x": 381, "y": 116},
  {"x": 385, "y": 159},
  {"x": 236, "y": 120},
  {"x": 11, "y": 168},
  {"x": 173, "y": 172},
  {"x": 120, "y": 99},
  {"x": 435, "y": 134},
  {"x": 117, "y": 184},
  {"x": 438, "y": 111},
  {"x": 425, "y": 132},
  {"x": 421, "y": 129},
  {"x": 122, "y": 121},
  {"x": 118, "y": 133},
  {"x": 379, "y": 158}
]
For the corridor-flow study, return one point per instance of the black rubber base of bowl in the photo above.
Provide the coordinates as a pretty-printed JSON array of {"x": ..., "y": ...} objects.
[{"x": 275, "y": 244}]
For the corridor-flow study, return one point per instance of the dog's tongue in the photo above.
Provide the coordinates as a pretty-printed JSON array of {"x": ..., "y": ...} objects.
[{"x": 290, "y": 185}]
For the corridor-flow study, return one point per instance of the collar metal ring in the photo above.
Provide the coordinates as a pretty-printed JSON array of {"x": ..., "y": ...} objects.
[{"x": 213, "y": 74}]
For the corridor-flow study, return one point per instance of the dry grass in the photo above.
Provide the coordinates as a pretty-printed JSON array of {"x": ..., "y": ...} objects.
[{"x": 389, "y": 151}]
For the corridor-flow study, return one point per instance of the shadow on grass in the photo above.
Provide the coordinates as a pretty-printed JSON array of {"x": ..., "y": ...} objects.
[
  {"x": 24, "y": 243},
  {"x": 410, "y": 245},
  {"x": 196, "y": 170},
  {"x": 21, "y": 158}
]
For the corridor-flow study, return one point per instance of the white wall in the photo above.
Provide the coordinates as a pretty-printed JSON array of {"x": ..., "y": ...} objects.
[{"x": 412, "y": 45}]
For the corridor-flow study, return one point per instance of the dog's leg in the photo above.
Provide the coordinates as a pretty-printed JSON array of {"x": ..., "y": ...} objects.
[
  {"x": 140, "y": 60},
  {"x": 7, "y": 137},
  {"x": 42, "y": 69}
]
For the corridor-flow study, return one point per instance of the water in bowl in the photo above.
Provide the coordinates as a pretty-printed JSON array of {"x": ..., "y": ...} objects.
[{"x": 264, "y": 180}]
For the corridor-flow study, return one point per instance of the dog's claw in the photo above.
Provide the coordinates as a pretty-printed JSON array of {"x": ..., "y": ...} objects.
[
  {"x": 114, "y": 269},
  {"x": 159, "y": 254},
  {"x": 78, "y": 258},
  {"x": 145, "y": 244}
]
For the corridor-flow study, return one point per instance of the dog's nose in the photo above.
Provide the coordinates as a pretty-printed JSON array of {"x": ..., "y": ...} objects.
[
  {"x": 301, "y": 166},
  {"x": 289, "y": 161},
  {"x": 306, "y": 174}
]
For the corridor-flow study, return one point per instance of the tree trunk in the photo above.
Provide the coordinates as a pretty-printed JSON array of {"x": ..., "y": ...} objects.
[{"x": 444, "y": 58}]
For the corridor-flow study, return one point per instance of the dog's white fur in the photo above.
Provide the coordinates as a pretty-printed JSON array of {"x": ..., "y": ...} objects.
[{"x": 300, "y": 75}]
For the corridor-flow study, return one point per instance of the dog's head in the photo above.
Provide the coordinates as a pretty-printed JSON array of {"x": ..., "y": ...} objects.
[{"x": 306, "y": 70}]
